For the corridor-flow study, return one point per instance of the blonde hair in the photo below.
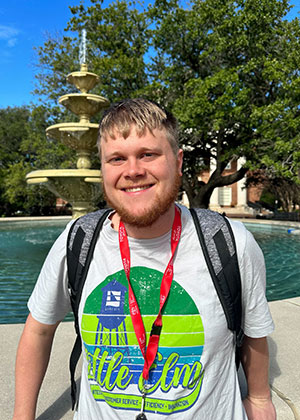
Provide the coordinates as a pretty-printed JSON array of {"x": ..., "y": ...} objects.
[{"x": 141, "y": 114}]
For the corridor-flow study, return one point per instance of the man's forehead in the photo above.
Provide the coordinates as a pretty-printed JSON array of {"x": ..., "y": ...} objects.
[{"x": 132, "y": 130}]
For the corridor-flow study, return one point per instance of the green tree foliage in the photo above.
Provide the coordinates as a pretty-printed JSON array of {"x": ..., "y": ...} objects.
[
  {"x": 23, "y": 148},
  {"x": 233, "y": 82},
  {"x": 13, "y": 122},
  {"x": 229, "y": 70},
  {"x": 117, "y": 43},
  {"x": 39, "y": 151},
  {"x": 279, "y": 192}
]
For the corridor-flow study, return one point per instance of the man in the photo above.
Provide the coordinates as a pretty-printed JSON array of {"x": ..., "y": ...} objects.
[{"x": 148, "y": 271}]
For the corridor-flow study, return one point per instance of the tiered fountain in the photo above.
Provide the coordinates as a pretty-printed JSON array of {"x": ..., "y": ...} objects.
[{"x": 80, "y": 187}]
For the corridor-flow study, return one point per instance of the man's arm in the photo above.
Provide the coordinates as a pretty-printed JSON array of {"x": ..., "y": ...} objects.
[
  {"x": 255, "y": 361},
  {"x": 31, "y": 365}
]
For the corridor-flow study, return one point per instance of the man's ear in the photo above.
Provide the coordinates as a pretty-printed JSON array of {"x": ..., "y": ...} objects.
[{"x": 180, "y": 161}]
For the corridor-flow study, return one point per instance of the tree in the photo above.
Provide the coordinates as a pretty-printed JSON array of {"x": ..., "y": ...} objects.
[
  {"x": 117, "y": 41},
  {"x": 231, "y": 76},
  {"x": 278, "y": 192},
  {"x": 13, "y": 123},
  {"x": 23, "y": 148},
  {"x": 12, "y": 129},
  {"x": 227, "y": 69}
]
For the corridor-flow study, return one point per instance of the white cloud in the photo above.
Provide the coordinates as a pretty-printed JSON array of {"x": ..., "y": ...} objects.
[
  {"x": 9, "y": 34},
  {"x": 11, "y": 42}
]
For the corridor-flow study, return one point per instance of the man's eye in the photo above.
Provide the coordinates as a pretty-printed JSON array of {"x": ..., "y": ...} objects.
[
  {"x": 117, "y": 159},
  {"x": 147, "y": 155}
]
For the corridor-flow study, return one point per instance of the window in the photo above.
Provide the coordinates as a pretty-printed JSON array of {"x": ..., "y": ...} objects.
[{"x": 225, "y": 194}]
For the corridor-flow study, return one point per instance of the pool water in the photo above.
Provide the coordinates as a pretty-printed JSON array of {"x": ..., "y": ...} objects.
[
  {"x": 24, "y": 246},
  {"x": 282, "y": 256}
]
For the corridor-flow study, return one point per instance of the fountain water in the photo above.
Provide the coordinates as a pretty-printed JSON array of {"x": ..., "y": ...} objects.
[{"x": 81, "y": 187}]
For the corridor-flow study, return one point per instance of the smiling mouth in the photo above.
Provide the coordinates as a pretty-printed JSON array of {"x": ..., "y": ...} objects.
[{"x": 137, "y": 189}]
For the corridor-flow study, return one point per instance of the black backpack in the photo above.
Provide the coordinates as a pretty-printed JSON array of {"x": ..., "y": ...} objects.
[{"x": 219, "y": 249}]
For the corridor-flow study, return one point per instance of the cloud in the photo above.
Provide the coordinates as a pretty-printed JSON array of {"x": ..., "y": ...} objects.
[
  {"x": 9, "y": 34},
  {"x": 11, "y": 42}
]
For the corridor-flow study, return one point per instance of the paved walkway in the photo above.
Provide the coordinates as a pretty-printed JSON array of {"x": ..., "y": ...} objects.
[
  {"x": 284, "y": 346},
  {"x": 54, "y": 401}
]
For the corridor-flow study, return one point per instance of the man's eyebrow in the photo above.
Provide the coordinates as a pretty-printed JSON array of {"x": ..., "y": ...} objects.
[
  {"x": 150, "y": 149},
  {"x": 111, "y": 155},
  {"x": 142, "y": 149}
]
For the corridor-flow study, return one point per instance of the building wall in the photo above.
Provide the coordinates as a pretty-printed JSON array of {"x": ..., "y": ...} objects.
[
  {"x": 239, "y": 195},
  {"x": 254, "y": 193}
]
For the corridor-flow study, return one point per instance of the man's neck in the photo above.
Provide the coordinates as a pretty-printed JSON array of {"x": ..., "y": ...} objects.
[{"x": 161, "y": 226}]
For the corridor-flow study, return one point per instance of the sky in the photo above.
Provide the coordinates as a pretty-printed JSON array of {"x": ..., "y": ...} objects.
[{"x": 24, "y": 24}]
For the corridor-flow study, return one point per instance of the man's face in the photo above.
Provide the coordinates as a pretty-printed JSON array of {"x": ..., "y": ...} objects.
[{"x": 141, "y": 176}]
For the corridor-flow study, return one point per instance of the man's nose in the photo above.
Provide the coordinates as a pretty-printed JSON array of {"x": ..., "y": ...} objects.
[{"x": 134, "y": 168}]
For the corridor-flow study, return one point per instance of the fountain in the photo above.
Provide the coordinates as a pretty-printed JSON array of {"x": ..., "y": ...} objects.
[{"x": 80, "y": 187}]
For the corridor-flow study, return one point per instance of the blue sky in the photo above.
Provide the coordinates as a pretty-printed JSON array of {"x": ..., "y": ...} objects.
[{"x": 25, "y": 24}]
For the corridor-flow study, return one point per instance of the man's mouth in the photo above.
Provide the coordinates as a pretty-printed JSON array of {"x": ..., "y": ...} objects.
[{"x": 136, "y": 189}]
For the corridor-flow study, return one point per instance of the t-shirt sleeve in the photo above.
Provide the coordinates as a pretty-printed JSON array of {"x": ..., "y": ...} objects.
[
  {"x": 256, "y": 318},
  {"x": 50, "y": 299}
]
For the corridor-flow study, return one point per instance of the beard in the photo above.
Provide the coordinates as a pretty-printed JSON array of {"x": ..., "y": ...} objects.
[{"x": 160, "y": 206}]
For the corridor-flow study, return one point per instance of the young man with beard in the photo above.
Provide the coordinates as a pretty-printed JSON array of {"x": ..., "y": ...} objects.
[{"x": 148, "y": 274}]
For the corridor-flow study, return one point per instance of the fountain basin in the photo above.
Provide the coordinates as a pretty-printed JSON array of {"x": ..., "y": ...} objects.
[
  {"x": 80, "y": 187},
  {"x": 84, "y": 104},
  {"x": 83, "y": 80},
  {"x": 76, "y": 135}
]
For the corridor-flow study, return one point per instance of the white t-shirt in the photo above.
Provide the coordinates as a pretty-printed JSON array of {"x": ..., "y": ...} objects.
[{"x": 195, "y": 373}]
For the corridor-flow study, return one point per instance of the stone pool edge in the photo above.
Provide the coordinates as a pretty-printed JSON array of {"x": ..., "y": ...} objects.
[{"x": 33, "y": 218}]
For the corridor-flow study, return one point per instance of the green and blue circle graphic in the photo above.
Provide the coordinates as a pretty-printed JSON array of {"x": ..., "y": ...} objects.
[{"x": 115, "y": 362}]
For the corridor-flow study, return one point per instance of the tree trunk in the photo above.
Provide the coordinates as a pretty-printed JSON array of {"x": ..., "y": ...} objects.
[
  {"x": 202, "y": 199},
  {"x": 200, "y": 195}
]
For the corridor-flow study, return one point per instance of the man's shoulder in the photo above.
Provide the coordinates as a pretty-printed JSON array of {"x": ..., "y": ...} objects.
[
  {"x": 92, "y": 216},
  {"x": 212, "y": 219},
  {"x": 89, "y": 221},
  {"x": 83, "y": 233}
]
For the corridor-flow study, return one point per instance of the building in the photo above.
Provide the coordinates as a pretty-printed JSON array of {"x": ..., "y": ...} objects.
[{"x": 233, "y": 199}]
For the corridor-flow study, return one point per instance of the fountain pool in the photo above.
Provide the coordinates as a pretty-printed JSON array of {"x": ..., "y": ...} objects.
[
  {"x": 24, "y": 246},
  {"x": 282, "y": 255}
]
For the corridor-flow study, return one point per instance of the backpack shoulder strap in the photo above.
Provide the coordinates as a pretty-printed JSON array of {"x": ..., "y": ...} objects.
[
  {"x": 81, "y": 243},
  {"x": 219, "y": 249}
]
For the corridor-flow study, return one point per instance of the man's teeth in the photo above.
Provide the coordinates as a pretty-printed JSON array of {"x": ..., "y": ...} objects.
[{"x": 136, "y": 189}]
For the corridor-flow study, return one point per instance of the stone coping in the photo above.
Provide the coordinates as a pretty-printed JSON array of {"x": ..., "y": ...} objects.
[
  {"x": 241, "y": 219},
  {"x": 33, "y": 218},
  {"x": 286, "y": 223}
]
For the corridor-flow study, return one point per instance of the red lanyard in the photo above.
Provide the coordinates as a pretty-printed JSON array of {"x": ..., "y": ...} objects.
[{"x": 137, "y": 321}]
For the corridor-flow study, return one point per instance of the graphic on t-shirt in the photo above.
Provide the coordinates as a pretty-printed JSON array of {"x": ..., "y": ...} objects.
[
  {"x": 112, "y": 317},
  {"x": 115, "y": 362}
]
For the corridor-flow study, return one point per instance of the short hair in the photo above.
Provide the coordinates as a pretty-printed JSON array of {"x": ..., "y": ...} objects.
[{"x": 140, "y": 113}]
